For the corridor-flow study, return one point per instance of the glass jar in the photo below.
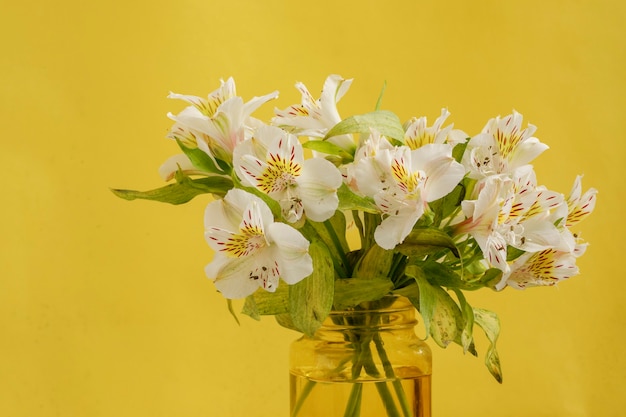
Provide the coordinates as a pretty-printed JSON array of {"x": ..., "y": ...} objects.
[{"x": 364, "y": 361}]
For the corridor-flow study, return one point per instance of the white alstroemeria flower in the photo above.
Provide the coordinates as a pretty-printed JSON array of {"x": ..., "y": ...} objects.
[
  {"x": 483, "y": 220},
  {"x": 501, "y": 147},
  {"x": 544, "y": 268},
  {"x": 580, "y": 206},
  {"x": 402, "y": 181},
  {"x": 530, "y": 221},
  {"x": 418, "y": 134},
  {"x": 514, "y": 212},
  {"x": 252, "y": 251},
  {"x": 273, "y": 161},
  {"x": 218, "y": 123},
  {"x": 315, "y": 118}
]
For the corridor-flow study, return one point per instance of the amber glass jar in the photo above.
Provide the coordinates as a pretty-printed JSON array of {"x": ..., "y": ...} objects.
[{"x": 364, "y": 361}]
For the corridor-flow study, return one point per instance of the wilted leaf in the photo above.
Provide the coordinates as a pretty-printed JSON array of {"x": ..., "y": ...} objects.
[
  {"x": 467, "y": 335},
  {"x": 441, "y": 315},
  {"x": 489, "y": 322}
]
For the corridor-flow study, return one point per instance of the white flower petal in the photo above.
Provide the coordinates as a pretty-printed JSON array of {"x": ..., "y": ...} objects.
[
  {"x": 291, "y": 251},
  {"x": 527, "y": 151},
  {"x": 168, "y": 169},
  {"x": 394, "y": 229},
  {"x": 237, "y": 279},
  {"x": 318, "y": 186}
]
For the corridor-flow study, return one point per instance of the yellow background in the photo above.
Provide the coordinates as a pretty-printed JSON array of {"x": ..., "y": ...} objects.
[{"x": 104, "y": 307}]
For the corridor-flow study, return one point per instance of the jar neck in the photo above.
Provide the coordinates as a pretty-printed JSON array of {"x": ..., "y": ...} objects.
[{"x": 388, "y": 313}]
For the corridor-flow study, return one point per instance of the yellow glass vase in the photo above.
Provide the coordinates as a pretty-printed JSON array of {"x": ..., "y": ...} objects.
[{"x": 364, "y": 361}]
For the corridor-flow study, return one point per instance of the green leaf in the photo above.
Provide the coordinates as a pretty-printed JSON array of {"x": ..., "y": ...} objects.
[
  {"x": 182, "y": 191},
  {"x": 489, "y": 279},
  {"x": 349, "y": 201},
  {"x": 489, "y": 322},
  {"x": 286, "y": 321},
  {"x": 425, "y": 240},
  {"x": 329, "y": 149},
  {"x": 384, "y": 121},
  {"x": 513, "y": 253},
  {"x": 338, "y": 223},
  {"x": 467, "y": 335},
  {"x": 376, "y": 262},
  {"x": 350, "y": 292},
  {"x": 311, "y": 299},
  {"x": 459, "y": 150},
  {"x": 448, "y": 204},
  {"x": 231, "y": 310},
  {"x": 200, "y": 159},
  {"x": 379, "y": 102},
  {"x": 441, "y": 275},
  {"x": 271, "y": 203},
  {"x": 264, "y": 303},
  {"x": 442, "y": 316}
]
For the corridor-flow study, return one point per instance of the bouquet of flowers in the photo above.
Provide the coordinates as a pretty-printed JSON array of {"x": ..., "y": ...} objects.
[{"x": 312, "y": 211}]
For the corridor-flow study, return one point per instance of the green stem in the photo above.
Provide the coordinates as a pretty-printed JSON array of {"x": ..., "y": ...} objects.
[
  {"x": 396, "y": 267},
  {"x": 389, "y": 373},
  {"x": 359, "y": 225},
  {"x": 381, "y": 386},
  {"x": 353, "y": 408},
  {"x": 338, "y": 263},
  {"x": 303, "y": 396},
  {"x": 385, "y": 395},
  {"x": 340, "y": 250}
]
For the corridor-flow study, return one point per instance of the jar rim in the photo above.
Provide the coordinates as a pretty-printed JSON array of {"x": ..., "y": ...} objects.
[{"x": 395, "y": 303}]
